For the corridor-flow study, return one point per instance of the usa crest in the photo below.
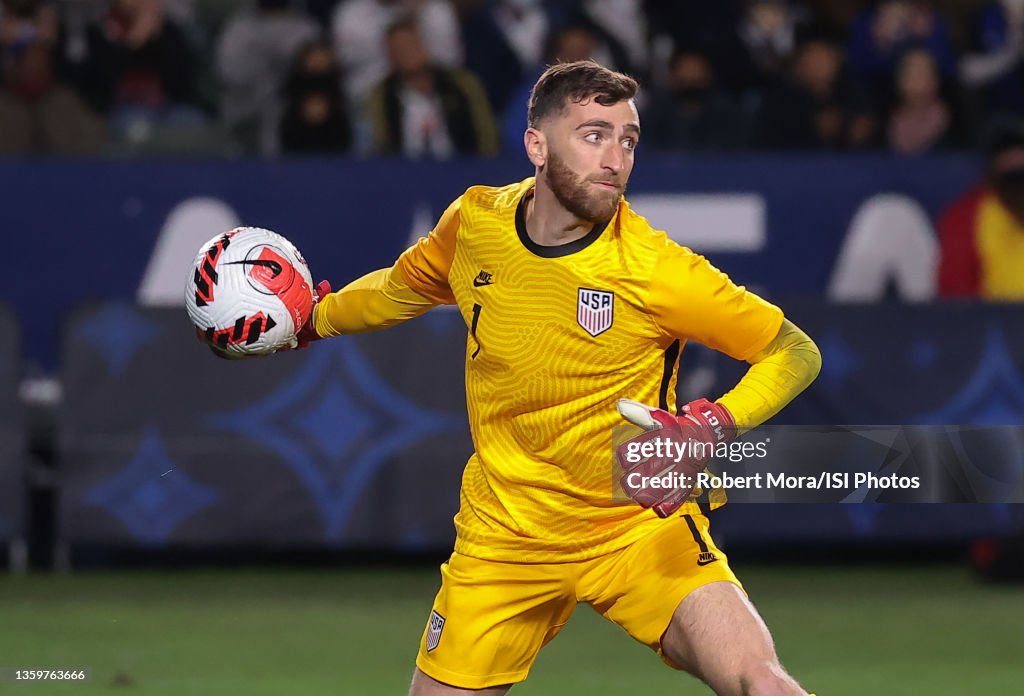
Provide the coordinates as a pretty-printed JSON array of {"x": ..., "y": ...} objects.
[
  {"x": 434, "y": 630},
  {"x": 595, "y": 310}
]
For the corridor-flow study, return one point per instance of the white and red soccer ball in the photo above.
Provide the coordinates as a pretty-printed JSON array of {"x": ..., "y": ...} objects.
[{"x": 249, "y": 292}]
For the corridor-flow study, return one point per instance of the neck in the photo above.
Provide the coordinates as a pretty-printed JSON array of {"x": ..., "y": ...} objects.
[{"x": 548, "y": 222}]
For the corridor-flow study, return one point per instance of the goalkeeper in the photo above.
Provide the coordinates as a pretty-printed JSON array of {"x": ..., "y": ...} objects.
[{"x": 577, "y": 311}]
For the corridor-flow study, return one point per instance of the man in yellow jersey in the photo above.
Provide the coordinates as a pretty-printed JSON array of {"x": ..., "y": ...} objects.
[{"x": 573, "y": 302}]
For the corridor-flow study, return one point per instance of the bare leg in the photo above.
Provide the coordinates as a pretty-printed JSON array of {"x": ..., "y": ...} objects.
[{"x": 717, "y": 635}]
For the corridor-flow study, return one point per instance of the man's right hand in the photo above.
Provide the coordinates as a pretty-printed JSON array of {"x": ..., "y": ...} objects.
[{"x": 307, "y": 334}]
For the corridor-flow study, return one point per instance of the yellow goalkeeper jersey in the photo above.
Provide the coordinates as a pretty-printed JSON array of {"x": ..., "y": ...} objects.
[{"x": 556, "y": 335}]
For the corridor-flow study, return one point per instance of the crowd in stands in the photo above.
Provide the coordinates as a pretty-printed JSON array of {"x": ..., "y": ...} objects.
[{"x": 445, "y": 78}]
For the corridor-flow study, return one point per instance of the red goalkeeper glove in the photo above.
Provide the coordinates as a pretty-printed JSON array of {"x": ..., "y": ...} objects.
[
  {"x": 681, "y": 447},
  {"x": 307, "y": 334}
]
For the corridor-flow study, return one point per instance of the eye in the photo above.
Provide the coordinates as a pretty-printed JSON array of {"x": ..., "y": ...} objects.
[
  {"x": 593, "y": 137},
  {"x": 629, "y": 144}
]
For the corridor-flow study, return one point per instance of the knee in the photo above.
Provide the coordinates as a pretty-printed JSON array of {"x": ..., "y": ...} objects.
[{"x": 768, "y": 678}]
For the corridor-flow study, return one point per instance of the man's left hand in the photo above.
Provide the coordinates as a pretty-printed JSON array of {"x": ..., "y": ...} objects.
[{"x": 688, "y": 443}]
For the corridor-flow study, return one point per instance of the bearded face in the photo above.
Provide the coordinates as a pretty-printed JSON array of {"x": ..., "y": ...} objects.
[
  {"x": 579, "y": 195},
  {"x": 584, "y": 155}
]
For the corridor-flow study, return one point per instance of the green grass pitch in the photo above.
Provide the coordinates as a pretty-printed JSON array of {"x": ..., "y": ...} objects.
[{"x": 842, "y": 632}]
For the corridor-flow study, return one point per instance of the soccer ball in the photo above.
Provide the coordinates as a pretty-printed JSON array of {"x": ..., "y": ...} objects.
[{"x": 249, "y": 292}]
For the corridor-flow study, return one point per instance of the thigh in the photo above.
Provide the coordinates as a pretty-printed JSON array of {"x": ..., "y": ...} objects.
[
  {"x": 640, "y": 587},
  {"x": 489, "y": 621},
  {"x": 717, "y": 635}
]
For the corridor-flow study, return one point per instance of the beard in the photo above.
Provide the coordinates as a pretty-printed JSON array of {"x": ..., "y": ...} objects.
[{"x": 577, "y": 196}]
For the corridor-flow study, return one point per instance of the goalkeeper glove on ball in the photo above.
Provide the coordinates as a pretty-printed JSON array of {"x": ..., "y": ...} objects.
[{"x": 307, "y": 334}]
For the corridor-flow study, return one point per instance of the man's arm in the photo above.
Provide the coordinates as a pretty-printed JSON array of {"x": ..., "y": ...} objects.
[
  {"x": 691, "y": 299},
  {"x": 417, "y": 282},
  {"x": 778, "y": 372},
  {"x": 375, "y": 301}
]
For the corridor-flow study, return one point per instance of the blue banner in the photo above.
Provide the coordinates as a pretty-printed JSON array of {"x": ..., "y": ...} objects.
[
  {"x": 12, "y": 434},
  {"x": 360, "y": 441},
  {"x": 77, "y": 231}
]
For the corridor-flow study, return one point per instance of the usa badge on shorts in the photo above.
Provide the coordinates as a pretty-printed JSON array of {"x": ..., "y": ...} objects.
[
  {"x": 434, "y": 630},
  {"x": 595, "y": 310}
]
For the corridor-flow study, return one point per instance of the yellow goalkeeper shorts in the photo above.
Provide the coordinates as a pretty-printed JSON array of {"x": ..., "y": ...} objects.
[{"x": 490, "y": 619}]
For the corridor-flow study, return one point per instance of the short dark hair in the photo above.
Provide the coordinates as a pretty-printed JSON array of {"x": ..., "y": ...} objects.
[{"x": 576, "y": 82}]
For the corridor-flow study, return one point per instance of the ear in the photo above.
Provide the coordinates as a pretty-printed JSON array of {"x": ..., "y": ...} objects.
[{"x": 536, "y": 147}]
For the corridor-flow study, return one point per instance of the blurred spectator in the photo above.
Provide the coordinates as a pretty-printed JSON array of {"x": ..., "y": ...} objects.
[
  {"x": 359, "y": 27},
  {"x": 315, "y": 118},
  {"x": 689, "y": 23},
  {"x": 139, "y": 69},
  {"x": 570, "y": 44},
  {"x": 425, "y": 110},
  {"x": 693, "y": 113},
  {"x": 40, "y": 116},
  {"x": 621, "y": 28},
  {"x": 995, "y": 64},
  {"x": 183, "y": 12},
  {"x": 749, "y": 42},
  {"x": 881, "y": 34},
  {"x": 25, "y": 23},
  {"x": 767, "y": 33},
  {"x": 254, "y": 53},
  {"x": 924, "y": 115},
  {"x": 818, "y": 105},
  {"x": 982, "y": 232},
  {"x": 504, "y": 40}
]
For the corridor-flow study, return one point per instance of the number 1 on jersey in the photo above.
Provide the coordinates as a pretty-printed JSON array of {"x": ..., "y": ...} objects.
[{"x": 472, "y": 329}]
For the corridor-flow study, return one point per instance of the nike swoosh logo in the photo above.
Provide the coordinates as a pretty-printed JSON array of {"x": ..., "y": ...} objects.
[
  {"x": 477, "y": 282},
  {"x": 708, "y": 562},
  {"x": 274, "y": 266}
]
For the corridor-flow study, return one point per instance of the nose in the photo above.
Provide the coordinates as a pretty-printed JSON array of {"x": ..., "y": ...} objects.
[{"x": 614, "y": 159}]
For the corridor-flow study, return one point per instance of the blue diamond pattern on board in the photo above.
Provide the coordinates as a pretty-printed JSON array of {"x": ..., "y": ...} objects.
[
  {"x": 864, "y": 516},
  {"x": 149, "y": 495},
  {"x": 993, "y": 395},
  {"x": 923, "y": 354},
  {"x": 337, "y": 446},
  {"x": 117, "y": 331},
  {"x": 413, "y": 538},
  {"x": 334, "y": 422},
  {"x": 840, "y": 362}
]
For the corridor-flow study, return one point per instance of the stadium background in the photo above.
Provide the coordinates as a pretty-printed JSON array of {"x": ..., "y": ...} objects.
[{"x": 178, "y": 525}]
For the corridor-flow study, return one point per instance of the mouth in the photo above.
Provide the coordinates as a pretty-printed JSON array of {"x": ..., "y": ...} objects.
[{"x": 607, "y": 186}]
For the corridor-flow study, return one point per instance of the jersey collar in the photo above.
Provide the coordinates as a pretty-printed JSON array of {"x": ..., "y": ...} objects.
[{"x": 554, "y": 252}]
